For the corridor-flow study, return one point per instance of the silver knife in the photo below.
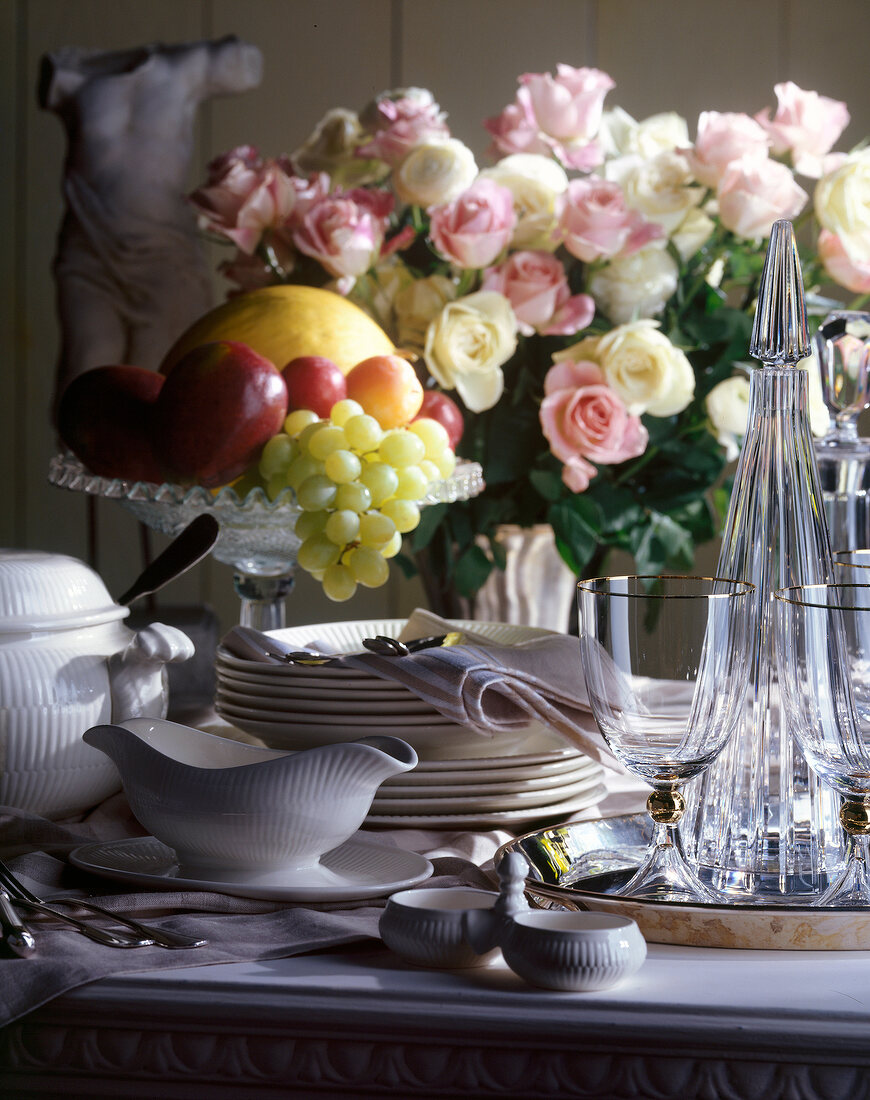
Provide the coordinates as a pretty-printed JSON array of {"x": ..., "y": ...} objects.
[{"x": 16, "y": 935}]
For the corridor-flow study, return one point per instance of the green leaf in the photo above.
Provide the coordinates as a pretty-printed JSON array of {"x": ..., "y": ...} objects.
[
  {"x": 663, "y": 544},
  {"x": 576, "y": 539},
  {"x": 618, "y": 508},
  {"x": 430, "y": 520},
  {"x": 548, "y": 483},
  {"x": 471, "y": 572}
]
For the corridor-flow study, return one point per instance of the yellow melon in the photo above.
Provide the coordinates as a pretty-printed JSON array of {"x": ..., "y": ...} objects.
[{"x": 284, "y": 322}]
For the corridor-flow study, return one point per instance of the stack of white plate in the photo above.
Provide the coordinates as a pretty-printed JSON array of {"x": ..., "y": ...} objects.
[
  {"x": 464, "y": 779},
  {"x": 544, "y": 779}
]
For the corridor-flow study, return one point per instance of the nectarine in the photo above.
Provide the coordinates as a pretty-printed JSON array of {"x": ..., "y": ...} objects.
[{"x": 387, "y": 388}]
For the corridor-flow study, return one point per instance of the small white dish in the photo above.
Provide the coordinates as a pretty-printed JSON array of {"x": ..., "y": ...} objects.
[
  {"x": 360, "y": 868},
  {"x": 427, "y": 927},
  {"x": 497, "y": 819},
  {"x": 572, "y": 951}
]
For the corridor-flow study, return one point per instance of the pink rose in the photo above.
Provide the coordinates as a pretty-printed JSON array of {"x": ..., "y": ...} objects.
[
  {"x": 473, "y": 229},
  {"x": 250, "y": 272},
  {"x": 806, "y": 124},
  {"x": 515, "y": 129},
  {"x": 400, "y": 120},
  {"x": 754, "y": 193},
  {"x": 243, "y": 196},
  {"x": 344, "y": 231},
  {"x": 568, "y": 107},
  {"x": 721, "y": 138},
  {"x": 852, "y": 274},
  {"x": 594, "y": 222},
  {"x": 582, "y": 418},
  {"x": 536, "y": 286}
]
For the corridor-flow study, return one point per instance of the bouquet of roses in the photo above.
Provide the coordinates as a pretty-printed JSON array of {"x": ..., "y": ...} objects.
[{"x": 585, "y": 300}]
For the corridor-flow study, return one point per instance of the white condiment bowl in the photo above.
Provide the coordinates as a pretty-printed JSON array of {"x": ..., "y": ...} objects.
[
  {"x": 575, "y": 951},
  {"x": 427, "y": 926}
]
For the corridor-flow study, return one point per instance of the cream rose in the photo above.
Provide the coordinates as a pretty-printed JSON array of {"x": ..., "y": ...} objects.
[
  {"x": 435, "y": 172},
  {"x": 535, "y": 182},
  {"x": 660, "y": 188},
  {"x": 635, "y": 286},
  {"x": 468, "y": 343},
  {"x": 691, "y": 233},
  {"x": 620, "y": 134},
  {"x": 417, "y": 305},
  {"x": 728, "y": 407},
  {"x": 842, "y": 202},
  {"x": 642, "y": 365}
]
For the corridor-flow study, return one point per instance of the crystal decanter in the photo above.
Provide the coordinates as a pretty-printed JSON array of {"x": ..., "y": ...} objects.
[
  {"x": 761, "y": 826},
  {"x": 842, "y": 349}
]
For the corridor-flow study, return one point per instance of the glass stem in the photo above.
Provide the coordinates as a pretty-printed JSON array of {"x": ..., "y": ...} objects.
[{"x": 263, "y": 599}]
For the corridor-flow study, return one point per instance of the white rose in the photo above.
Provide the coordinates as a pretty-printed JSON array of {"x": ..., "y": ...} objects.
[
  {"x": 842, "y": 201},
  {"x": 691, "y": 233},
  {"x": 820, "y": 418},
  {"x": 467, "y": 344},
  {"x": 633, "y": 286},
  {"x": 660, "y": 188},
  {"x": 535, "y": 182},
  {"x": 728, "y": 408},
  {"x": 417, "y": 305},
  {"x": 377, "y": 290},
  {"x": 621, "y": 134},
  {"x": 435, "y": 172},
  {"x": 642, "y": 365}
]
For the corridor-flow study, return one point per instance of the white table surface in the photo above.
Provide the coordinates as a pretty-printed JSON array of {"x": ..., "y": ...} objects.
[{"x": 692, "y": 1022}]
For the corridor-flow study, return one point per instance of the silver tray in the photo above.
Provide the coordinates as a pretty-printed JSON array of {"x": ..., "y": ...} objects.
[{"x": 574, "y": 866}]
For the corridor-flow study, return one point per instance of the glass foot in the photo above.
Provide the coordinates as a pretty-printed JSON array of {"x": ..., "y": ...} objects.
[
  {"x": 664, "y": 874},
  {"x": 852, "y": 886}
]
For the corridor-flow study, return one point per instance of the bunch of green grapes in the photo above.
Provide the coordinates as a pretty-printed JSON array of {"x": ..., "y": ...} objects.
[{"x": 358, "y": 488}]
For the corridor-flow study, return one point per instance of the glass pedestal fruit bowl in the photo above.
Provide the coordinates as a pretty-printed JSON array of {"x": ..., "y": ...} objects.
[{"x": 257, "y": 535}]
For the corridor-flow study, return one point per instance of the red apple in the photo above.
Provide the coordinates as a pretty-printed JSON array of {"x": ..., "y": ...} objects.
[
  {"x": 314, "y": 382},
  {"x": 104, "y": 417},
  {"x": 217, "y": 408},
  {"x": 438, "y": 406}
]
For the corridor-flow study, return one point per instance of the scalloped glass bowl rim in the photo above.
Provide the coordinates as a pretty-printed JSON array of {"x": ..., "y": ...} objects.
[{"x": 67, "y": 472}]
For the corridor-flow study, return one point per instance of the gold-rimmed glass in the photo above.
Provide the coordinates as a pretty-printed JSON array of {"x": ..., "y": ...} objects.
[
  {"x": 823, "y": 647},
  {"x": 666, "y": 661}
]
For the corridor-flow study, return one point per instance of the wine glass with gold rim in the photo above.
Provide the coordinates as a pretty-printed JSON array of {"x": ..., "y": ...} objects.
[
  {"x": 666, "y": 661},
  {"x": 823, "y": 655}
]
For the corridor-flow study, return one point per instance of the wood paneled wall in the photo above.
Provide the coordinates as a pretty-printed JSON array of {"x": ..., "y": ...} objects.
[{"x": 683, "y": 55}]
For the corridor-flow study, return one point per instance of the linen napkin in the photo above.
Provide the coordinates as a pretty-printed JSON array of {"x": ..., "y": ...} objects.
[
  {"x": 497, "y": 688},
  {"x": 477, "y": 683},
  {"x": 238, "y": 929}
]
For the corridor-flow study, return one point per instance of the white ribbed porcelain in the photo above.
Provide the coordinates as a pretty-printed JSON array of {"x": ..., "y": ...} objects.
[
  {"x": 231, "y": 808},
  {"x": 572, "y": 950},
  {"x": 427, "y": 927},
  {"x": 68, "y": 662}
]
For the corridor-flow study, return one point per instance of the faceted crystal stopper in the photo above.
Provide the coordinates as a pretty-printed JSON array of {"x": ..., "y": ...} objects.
[
  {"x": 779, "y": 332},
  {"x": 842, "y": 347}
]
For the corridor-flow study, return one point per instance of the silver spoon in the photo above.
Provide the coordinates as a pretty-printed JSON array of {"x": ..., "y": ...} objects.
[{"x": 185, "y": 550}]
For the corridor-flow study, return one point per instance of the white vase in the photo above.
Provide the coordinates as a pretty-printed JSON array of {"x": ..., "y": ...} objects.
[{"x": 536, "y": 587}]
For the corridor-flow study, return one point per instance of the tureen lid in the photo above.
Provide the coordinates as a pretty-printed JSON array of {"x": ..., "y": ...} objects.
[{"x": 43, "y": 591}]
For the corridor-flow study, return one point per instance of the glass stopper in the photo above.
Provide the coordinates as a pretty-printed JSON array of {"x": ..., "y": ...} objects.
[{"x": 779, "y": 332}]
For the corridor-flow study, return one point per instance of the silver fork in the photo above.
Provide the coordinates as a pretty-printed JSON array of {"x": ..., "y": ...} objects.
[{"x": 146, "y": 934}]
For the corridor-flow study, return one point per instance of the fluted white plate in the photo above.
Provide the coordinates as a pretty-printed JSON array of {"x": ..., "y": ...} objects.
[
  {"x": 433, "y": 784},
  {"x": 359, "y": 868},
  {"x": 288, "y": 723},
  {"x": 308, "y": 686},
  {"x": 273, "y": 707},
  {"x": 480, "y": 801},
  {"x": 497, "y": 819}
]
